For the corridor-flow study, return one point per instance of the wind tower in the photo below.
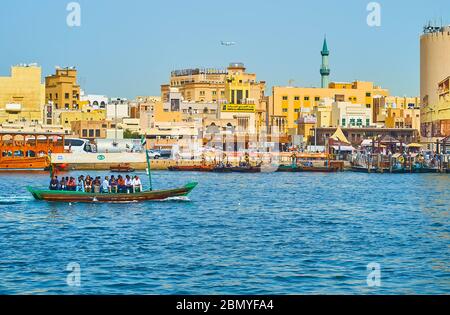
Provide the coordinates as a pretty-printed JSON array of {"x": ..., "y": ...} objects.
[{"x": 325, "y": 69}]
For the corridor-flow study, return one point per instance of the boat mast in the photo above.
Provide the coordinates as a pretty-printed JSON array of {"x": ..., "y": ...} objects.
[{"x": 144, "y": 144}]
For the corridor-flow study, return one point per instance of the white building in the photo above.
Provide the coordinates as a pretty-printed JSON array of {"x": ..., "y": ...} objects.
[
  {"x": 118, "y": 108},
  {"x": 96, "y": 101},
  {"x": 345, "y": 114}
]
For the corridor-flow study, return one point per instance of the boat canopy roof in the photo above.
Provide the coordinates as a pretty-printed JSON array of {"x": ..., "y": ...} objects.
[
  {"x": 339, "y": 136},
  {"x": 32, "y": 133}
]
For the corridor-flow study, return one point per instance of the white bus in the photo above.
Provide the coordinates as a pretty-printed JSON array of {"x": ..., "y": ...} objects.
[{"x": 75, "y": 145}]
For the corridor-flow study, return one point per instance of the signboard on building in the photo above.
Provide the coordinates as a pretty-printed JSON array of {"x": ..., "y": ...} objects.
[{"x": 242, "y": 108}]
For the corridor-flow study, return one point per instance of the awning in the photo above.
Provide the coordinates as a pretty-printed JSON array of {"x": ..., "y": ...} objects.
[
  {"x": 343, "y": 148},
  {"x": 414, "y": 145}
]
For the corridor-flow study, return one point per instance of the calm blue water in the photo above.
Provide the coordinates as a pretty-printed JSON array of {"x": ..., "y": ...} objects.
[{"x": 237, "y": 234}]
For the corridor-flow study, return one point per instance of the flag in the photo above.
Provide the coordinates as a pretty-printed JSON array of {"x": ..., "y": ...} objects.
[{"x": 144, "y": 142}]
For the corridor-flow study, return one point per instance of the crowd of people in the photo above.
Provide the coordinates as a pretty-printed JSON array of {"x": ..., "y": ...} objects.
[{"x": 127, "y": 184}]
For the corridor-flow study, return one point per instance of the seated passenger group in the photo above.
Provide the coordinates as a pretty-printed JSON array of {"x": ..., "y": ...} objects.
[{"x": 89, "y": 184}]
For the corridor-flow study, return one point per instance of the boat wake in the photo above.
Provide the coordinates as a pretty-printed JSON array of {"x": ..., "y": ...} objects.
[
  {"x": 8, "y": 200},
  {"x": 175, "y": 199}
]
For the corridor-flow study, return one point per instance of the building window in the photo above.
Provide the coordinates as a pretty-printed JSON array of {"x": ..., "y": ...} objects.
[
  {"x": 97, "y": 133},
  {"x": 297, "y": 98},
  {"x": 285, "y": 110},
  {"x": 343, "y": 122},
  {"x": 306, "y": 98},
  {"x": 84, "y": 133},
  {"x": 367, "y": 122},
  {"x": 285, "y": 98},
  {"x": 359, "y": 122},
  {"x": 317, "y": 98},
  {"x": 352, "y": 122},
  {"x": 297, "y": 110},
  {"x": 66, "y": 96},
  {"x": 368, "y": 94},
  {"x": 66, "y": 106},
  {"x": 368, "y": 105},
  {"x": 91, "y": 133}
]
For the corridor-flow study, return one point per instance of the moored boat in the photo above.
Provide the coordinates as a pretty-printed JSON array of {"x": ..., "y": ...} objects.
[
  {"x": 363, "y": 169},
  {"x": 83, "y": 197},
  {"x": 122, "y": 168},
  {"x": 191, "y": 168},
  {"x": 314, "y": 169},
  {"x": 246, "y": 169}
]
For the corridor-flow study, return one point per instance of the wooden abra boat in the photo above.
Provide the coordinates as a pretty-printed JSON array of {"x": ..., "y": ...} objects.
[
  {"x": 28, "y": 151},
  {"x": 75, "y": 196},
  {"x": 79, "y": 196},
  {"x": 191, "y": 168},
  {"x": 122, "y": 168}
]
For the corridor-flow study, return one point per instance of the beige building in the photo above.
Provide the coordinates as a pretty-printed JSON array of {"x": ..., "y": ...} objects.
[
  {"x": 290, "y": 103},
  {"x": 198, "y": 85},
  {"x": 402, "y": 118},
  {"x": 397, "y": 112},
  {"x": 92, "y": 130},
  {"x": 62, "y": 89},
  {"x": 238, "y": 94},
  {"x": 22, "y": 95},
  {"x": 434, "y": 69}
]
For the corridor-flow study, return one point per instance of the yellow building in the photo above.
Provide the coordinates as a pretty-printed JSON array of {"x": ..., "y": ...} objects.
[
  {"x": 153, "y": 113},
  {"x": 62, "y": 89},
  {"x": 66, "y": 118},
  {"x": 294, "y": 102},
  {"x": 245, "y": 100},
  {"x": 22, "y": 95},
  {"x": 402, "y": 107},
  {"x": 402, "y": 118}
]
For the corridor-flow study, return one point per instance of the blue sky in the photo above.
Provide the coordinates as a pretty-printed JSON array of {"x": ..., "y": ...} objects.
[{"x": 128, "y": 48}]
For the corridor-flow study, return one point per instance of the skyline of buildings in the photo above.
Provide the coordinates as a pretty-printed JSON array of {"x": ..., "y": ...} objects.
[{"x": 232, "y": 99}]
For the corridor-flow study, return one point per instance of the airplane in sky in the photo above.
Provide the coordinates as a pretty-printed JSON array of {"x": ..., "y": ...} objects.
[{"x": 223, "y": 43}]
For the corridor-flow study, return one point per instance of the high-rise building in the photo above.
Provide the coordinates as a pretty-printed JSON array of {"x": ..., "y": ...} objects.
[
  {"x": 434, "y": 70},
  {"x": 62, "y": 89},
  {"x": 22, "y": 95}
]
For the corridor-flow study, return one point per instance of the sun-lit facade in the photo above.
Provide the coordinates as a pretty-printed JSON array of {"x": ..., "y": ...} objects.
[{"x": 22, "y": 94}]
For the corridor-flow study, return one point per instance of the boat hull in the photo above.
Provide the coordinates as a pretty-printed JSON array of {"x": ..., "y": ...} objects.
[
  {"x": 198, "y": 168},
  {"x": 21, "y": 164},
  {"x": 291, "y": 169},
  {"x": 73, "y": 196},
  {"x": 246, "y": 169}
]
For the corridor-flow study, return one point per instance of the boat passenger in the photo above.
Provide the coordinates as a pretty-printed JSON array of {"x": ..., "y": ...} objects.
[
  {"x": 67, "y": 182},
  {"x": 96, "y": 184},
  {"x": 54, "y": 183},
  {"x": 128, "y": 184},
  {"x": 63, "y": 184},
  {"x": 88, "y": 184},
  {"x": 137, "y": 185},
  {"x": 72, "y": 185},
  {"x": 106, "y": 188},
  {"x": 121, "y": 184},
  {"x": 113, "y": 184},
  {"x": 81, "y": 183}
]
